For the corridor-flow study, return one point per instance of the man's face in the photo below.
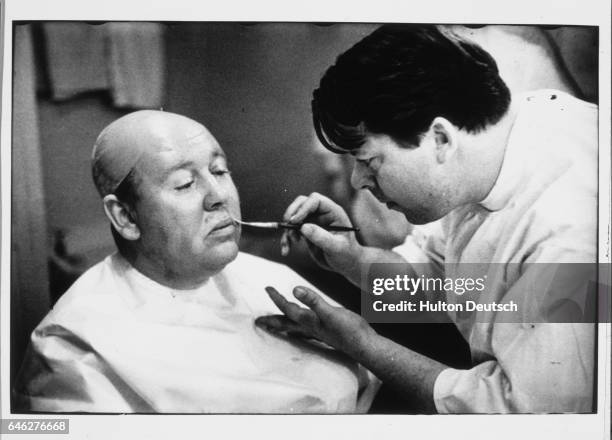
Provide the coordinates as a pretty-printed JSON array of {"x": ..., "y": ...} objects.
[
  {"x": 187, "y": 200},
  {"x": 408, "y": 180}
]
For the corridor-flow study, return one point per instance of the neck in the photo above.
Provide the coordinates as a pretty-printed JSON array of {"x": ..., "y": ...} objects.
[
  {"x": 487, "y": 155},
  {"x": 166, "y": 276}
]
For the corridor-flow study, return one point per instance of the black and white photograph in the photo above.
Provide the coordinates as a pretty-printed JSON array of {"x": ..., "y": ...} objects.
[{"x": 366, "y": 225}]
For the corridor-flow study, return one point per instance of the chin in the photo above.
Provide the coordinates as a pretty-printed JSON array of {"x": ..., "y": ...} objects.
[
  {"x": 222, "y": 255},
  {"x": 420, "y": 218}
]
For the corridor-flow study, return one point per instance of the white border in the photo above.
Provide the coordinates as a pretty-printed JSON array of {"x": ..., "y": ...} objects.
[{"x": 580, "y": 12}]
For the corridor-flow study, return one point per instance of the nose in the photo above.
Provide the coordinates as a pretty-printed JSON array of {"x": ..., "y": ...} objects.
[
  {"x": 360, "y": 177},
  {"x": 216, "y": 194}
]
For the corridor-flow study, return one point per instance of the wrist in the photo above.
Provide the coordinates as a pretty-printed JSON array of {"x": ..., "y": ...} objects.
[
  {"x": 356, "y": 256},
  {"x": 364, "y": 341}
]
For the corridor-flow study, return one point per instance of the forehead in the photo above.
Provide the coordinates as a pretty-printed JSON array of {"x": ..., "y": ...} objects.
[
  {"x": 174, "y": 153},
  {"x": 374, "y": 143}
]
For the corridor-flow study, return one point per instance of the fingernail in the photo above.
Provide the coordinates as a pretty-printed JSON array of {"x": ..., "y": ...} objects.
[
  {"x": 284, "y": 250},
  {"x": 262, "y": 325},
  {"x": 299, "y": 292},
  {"x": 292, "y": 218}
]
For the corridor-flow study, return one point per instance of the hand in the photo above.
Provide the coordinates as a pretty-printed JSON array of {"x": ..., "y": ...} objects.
[
  {"x": 336, "y": 326},
  {"x": 337, "y": 251}
]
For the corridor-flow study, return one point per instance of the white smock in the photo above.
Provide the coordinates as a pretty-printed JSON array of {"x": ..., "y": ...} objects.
[
  {"x": 542, "y": 209},
  {"x": 119, "y": 342}
]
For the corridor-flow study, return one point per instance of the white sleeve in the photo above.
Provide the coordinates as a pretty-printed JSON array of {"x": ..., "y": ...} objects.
[
  {"x": 543, "y": 368},
  {"x": 536, "y": 366}
]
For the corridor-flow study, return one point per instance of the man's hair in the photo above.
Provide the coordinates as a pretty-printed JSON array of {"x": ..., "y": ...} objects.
[
  {"x": 127, "y": 193},
  {"x": 398, "y": 79}
]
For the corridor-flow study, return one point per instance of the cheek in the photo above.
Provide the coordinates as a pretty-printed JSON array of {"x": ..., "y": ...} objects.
[
  {"x": 392, "y": 183},
  {"x": 404, "y": 186},
  {"x": 170, "y": 224},
  {"x": 233, "y": 201}
]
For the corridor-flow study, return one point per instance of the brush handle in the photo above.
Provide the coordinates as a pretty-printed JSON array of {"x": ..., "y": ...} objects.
[{"x": 327, "y": 228}]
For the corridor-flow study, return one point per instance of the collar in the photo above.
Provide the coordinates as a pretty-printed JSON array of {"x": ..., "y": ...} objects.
[
  {"x": 145, "y": 290},
  {"x": 213, "y": 300},
  {"x": 513, "y": 163}
]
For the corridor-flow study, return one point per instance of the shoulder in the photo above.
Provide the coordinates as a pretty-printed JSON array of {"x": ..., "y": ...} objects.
[
  {"x": 84, "y": 298},
  {"x": 560, "y": 160},
  {"x": 551, "y": 115},
  {"x": 559, "y": 115},
  {"x": 556, "y": 99}
]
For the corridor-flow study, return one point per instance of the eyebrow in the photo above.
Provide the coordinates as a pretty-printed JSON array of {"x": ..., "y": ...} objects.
[
  {"x": 219, "y": 153},
  {"x": 355, "y": 154}
]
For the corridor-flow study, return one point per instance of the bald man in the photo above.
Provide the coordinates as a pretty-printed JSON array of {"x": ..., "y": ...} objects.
[{"x": 167, "y": 323}]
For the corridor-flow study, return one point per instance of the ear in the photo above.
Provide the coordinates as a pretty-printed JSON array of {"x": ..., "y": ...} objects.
[
  {"x": 446, "y": 137},
  {"x": 121, "y": 217}
]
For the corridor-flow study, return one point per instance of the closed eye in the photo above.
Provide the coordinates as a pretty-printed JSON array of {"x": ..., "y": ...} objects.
[
  {"x": 220, "y": 172},
  {"x": 185, "y": 186},
  {"x": 370, "y": 166}
]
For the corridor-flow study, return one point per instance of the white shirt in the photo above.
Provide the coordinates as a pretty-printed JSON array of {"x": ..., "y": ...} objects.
[
  {"x": 542, "y": 209},
  {"x": 119, "y": 342}
]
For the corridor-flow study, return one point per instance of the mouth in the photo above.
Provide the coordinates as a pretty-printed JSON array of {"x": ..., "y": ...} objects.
[
  {"x": 225, "y": 225},
  {"x": 392, "y": 205},
  {"x": 378, "y": 195},
  {"x": 382, "y": 199}
]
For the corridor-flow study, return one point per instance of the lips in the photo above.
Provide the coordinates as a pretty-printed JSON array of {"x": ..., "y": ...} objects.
[
  {"x": 223, "y": 224},
  {"x": 388, "y": 203},
  {"x": 394, "y": 206},
  {"x": 378, "y": 195}
]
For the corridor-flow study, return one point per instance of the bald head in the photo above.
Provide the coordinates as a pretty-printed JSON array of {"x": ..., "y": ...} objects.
[{"x": 123, "y": 143}]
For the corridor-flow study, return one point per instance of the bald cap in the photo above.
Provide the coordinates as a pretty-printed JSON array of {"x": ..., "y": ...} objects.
[{"x": 122, "y": 143}]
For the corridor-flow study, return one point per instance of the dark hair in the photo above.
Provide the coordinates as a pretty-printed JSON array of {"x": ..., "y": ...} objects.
[
  {"x": 398, "y": 79},
  {"x": 126, "y": 192}
]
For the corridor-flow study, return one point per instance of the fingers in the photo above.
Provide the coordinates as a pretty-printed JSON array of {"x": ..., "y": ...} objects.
[
  {"x": 284, "y": 244},
  {"x": 282, "y": 324},
  {"x": 321, "y": 238},
  {"x": 315, "y": 204},
  {"x": 293, "y": 208},
  {"x": 311, "y": 299},
  {"x": 294, "y": 312},
  {"x": 289, "y": 237},
  {"x": 315, "y": 208}
]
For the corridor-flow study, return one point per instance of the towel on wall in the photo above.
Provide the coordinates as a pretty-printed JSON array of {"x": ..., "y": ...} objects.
[
  {"x": 136, "y": 64},
  {"x": 125, "y": 58},
  {"x": 75, "y": 58}
]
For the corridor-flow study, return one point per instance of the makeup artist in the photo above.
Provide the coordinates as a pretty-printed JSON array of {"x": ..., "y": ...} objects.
[{"x": 486, "y": 177}]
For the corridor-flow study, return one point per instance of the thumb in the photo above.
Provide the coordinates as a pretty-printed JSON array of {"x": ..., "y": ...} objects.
[{"x": 321, "y": 238}]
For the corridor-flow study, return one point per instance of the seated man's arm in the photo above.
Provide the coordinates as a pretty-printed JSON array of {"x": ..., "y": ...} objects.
[{"x": 62, "y": 373}]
